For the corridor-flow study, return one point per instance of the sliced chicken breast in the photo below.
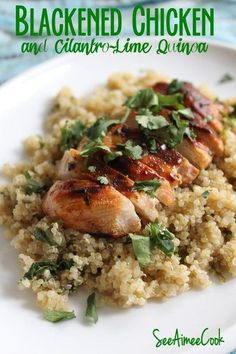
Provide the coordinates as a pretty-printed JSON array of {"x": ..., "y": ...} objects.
[
  {"x": 89, "y": 207},
  {"x": 144, "y": 205},
  {"x": 168, "y": 163}
]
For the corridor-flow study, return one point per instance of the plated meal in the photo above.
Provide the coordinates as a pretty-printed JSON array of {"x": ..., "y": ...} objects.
[{"x": 130, "y": 195}]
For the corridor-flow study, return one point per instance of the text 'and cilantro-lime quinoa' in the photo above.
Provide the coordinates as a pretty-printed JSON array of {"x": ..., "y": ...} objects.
[{"x": 130, "y": 194}]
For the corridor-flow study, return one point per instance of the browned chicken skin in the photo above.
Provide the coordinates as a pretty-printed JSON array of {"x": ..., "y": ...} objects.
[
  {"x": 208, "y": 142},
  {"x": 90, "y": 207},
  {"x": 116, "y": 208},
  {"x": 144, "y": 205}
]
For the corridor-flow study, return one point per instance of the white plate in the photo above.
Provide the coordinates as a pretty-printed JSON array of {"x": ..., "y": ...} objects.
[{"x": 23, "y": 103}]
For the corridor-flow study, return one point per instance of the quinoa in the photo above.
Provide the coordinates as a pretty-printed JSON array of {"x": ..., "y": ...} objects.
[{"x": 204, "y": 228}]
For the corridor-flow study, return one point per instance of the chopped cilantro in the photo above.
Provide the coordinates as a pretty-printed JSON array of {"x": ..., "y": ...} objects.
[
  {"x": 225, "y": 78},
  {"x": 173, "y": 134},
  {"x": 205, "y": 194},
  {"x": 158, "y": 237},
  {"x": 100, "y": 127},
  {"x": 38, "y": 268},
  {"x": 152, "y": 145},
  {"x": 146, "y": 98},
  {"x": 91, "y": 309},
  {"x": 131, "y": 150},
  {"x": 112, "y": 156},
  {"x": 147, "y": 120},
  {"x": 44, "y": 236},
  {"x": 33, "y": 186},
  {"x": 161, "y": 238},
  {"x": 175, "y": 86},
  {"x": 57, "y": 316},
  {"x": 103, "y": 180},
  {"x": 92, "y": 168},
  {"x": 149, "y": 186},
  {"x": 175, "y": 100},
  {"x": 92, "y": 147},
  {"x": 71, "y": 135},
  {"x": 186, "y": 113},
  {"x": 141, "y": 247}
]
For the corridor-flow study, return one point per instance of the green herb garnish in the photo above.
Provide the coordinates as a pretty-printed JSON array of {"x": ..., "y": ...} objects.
[
  {"x": 92, "y": 169},
  {"x": 152, "y": 145},
  {"x": 57, "y": 316},
  {"x": 131, "y": 150},
  {"x": 209, "y": 119},
  {"x": 146, "y": 98},
  {"x": 44, "y": 236},
  {"x": 149, "y": 186},
  {"x": 205, "y": 194},
  {"x": 175, "y": 86},
  {"x": 71, "y": 135},
  {"x": 175, "y": 100},
  {"x": 173, "y": 134},
  {"x": 103, "y": 180},
  {"x": 186, "y": 113},
  {"x": 142, "y": 249},
  {"x": 100, "y": 127},
  {"x": 225, "y": 78},
  {"x": 91, "y": 309},
  {"x": 147, "y": 120},
  {"x": 112, "y": 156},
  {"x": 159, "y": 237},
  {"x": 92, "y": 147},
  {"x": 33, "y": 186},
  {"x": 38, "y": 268}
]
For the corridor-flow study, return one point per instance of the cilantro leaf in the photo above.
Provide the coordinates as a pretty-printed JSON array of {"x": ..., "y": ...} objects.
[
  {"x": 161, "y": 237},
  {"x": 33, "y": 186},
  {"x": 100, "y": 127},
  {"x": 145, "y": 98},
  {"x": 147, "y": 120},
  {"x": 173, "y": 134},
  {"x": 91, "y": 309},
  {"x": 92, "y": 169},
  {"x": 141, "y": 247},
  {"x": 57, "y": 316},
  {"x": 225, "y": 78},
  {"x": 149, "y": 186},
  {"x": 92, "y": 147},
  {"x": 152, "y": 145},
  {"x": 44, "y": 236},
  {"x": 103, "y": 180},
  {"x": 175, "y": 86},
  {"x": 38, "y": 268},
  {"x": 112, "y": 156},
  {"x": 131, "y": 150},
  {"x": 175, "y": 100},
  {"x": 186, "y": 113},
  {"x": 205, "y": 194},
  {"x": 158, "y": 237},
  {"x": 71, "y": 135}
]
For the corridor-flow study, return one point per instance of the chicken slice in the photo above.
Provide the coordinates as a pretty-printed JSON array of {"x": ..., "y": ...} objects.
[
  {"x": 168, "y": 163},
  {"x": 138, "y": 171},
  {"x": 144, "y": 205},
  {"x": 197, "y": 153},
  {"x": 205, "y": 107},
  {"x": 177, "y": 172},
  {"x": 88, "y": 207},
  {"x": 200, "y": 104}
]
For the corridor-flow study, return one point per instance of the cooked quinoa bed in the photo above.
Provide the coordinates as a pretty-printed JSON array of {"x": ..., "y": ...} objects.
[{"x": 204, "y": 227}]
